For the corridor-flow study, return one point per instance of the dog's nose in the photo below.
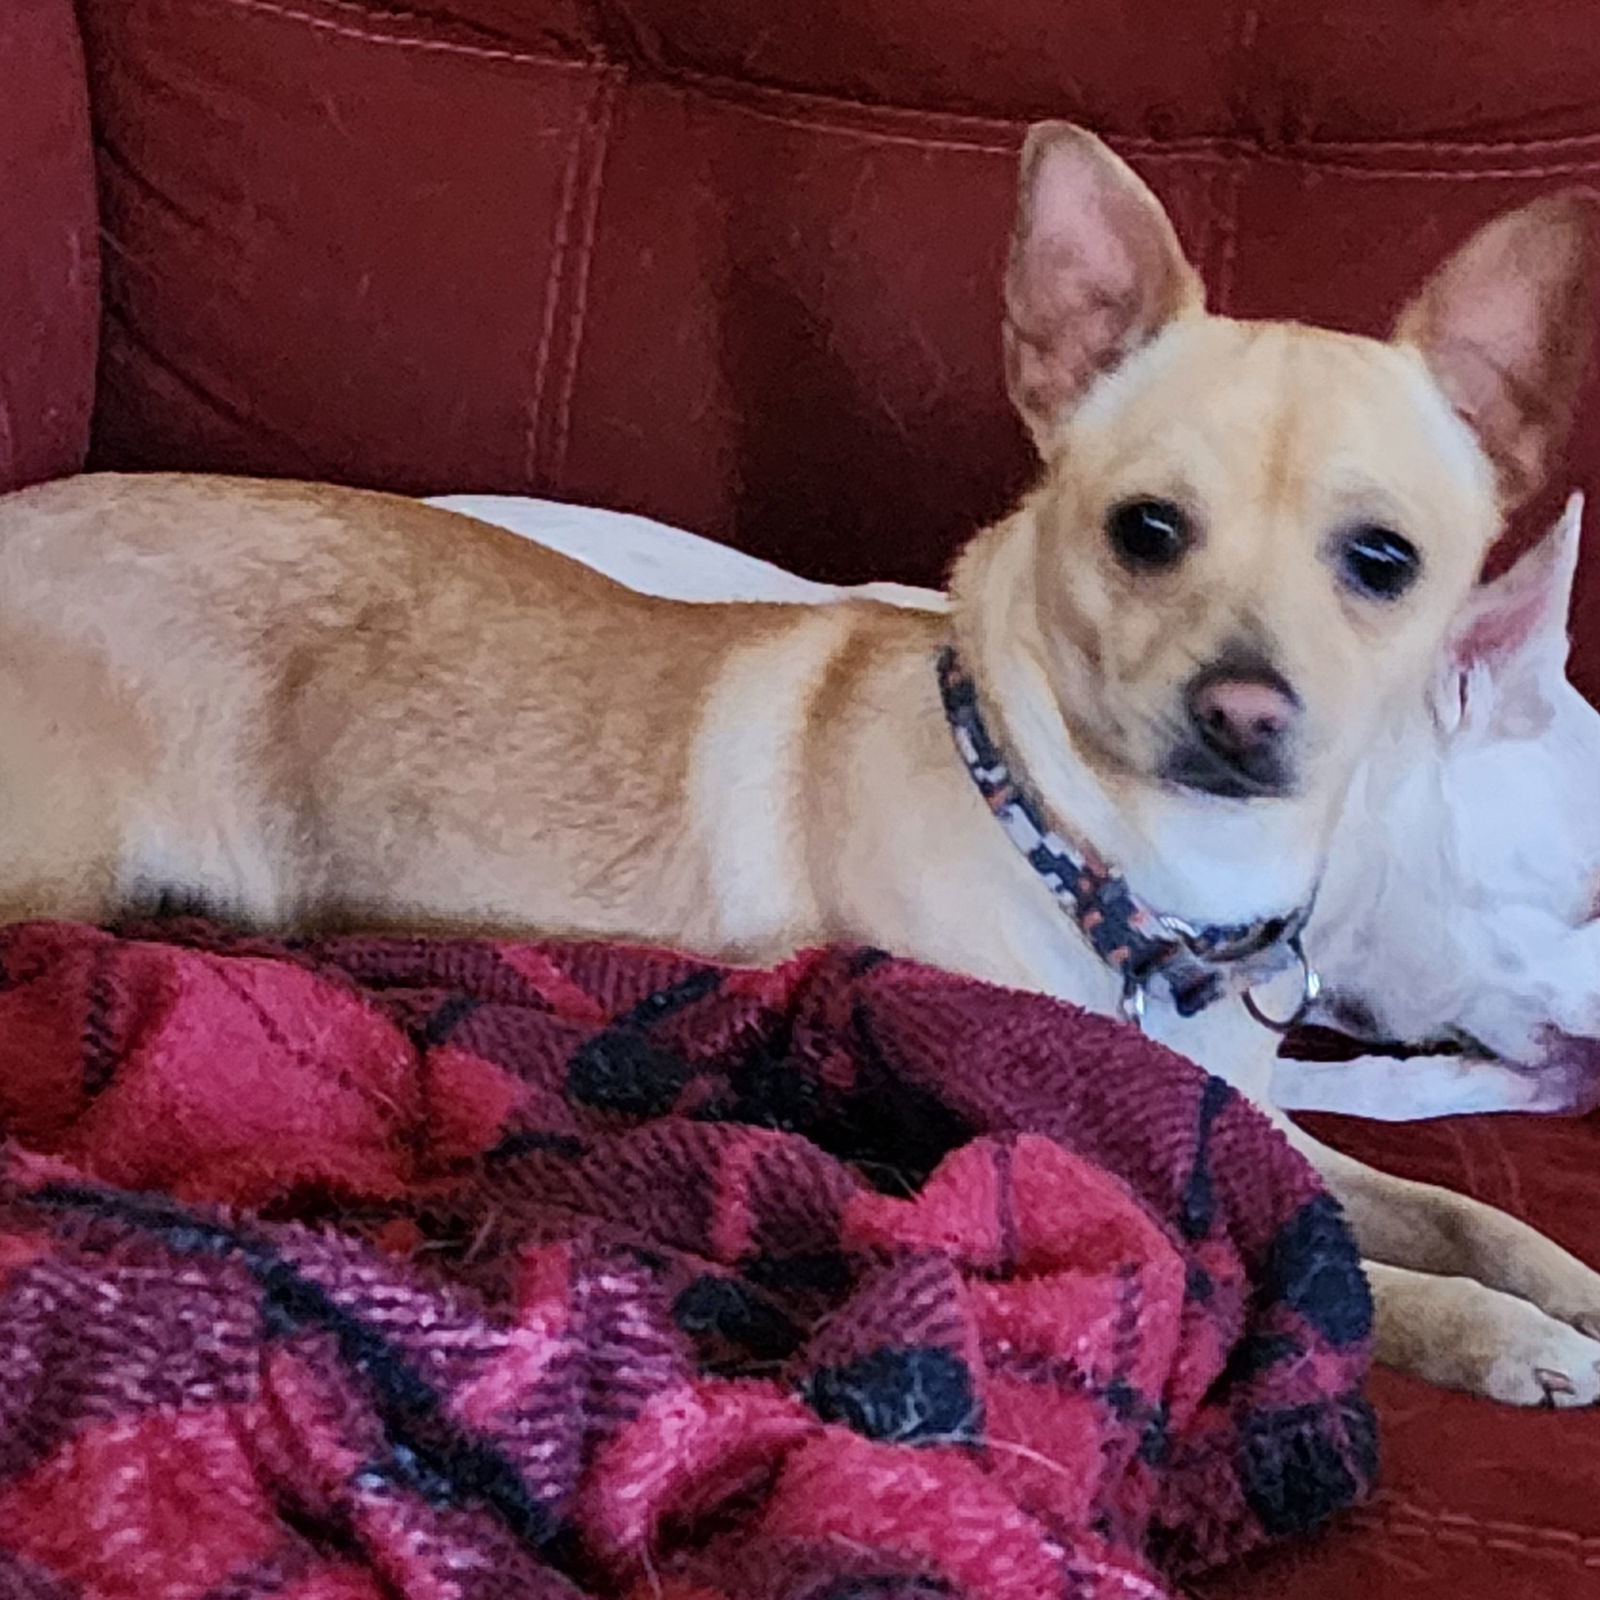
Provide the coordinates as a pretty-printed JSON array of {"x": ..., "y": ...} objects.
[{"x": 1241, "y": 717}]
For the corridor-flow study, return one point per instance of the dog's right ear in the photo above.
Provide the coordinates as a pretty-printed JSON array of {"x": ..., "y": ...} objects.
[{"x": 1096, "y": 271}]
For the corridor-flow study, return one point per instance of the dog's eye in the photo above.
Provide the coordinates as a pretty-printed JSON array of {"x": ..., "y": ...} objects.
[
  {"x": 1148, "y": 533},
  {"x": 1378, "y": 562}
]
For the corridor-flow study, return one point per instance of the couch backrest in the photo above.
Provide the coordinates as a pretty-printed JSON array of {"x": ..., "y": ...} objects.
[
  {"x": 49, "y": 261},
  {"x": 736, "y": 265}
]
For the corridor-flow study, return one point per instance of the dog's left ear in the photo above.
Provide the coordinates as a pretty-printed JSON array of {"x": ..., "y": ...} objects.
[
  {"x": 1506, "y": 327},
  {"x": 1096, "y": 271},
  {"x": 1512, "y": 636}
]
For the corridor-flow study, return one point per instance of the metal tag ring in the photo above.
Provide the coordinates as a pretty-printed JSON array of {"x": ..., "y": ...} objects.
[
  {"x": 1310, "y": 988},
  {"x": 1132, "y": 1004}
]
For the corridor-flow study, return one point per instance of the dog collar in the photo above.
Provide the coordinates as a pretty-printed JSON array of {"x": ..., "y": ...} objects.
[{"x": 1197, "y": 965}]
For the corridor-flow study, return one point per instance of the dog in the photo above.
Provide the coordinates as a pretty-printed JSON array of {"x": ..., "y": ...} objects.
[
  {"x": 1456, "y": 914},
  {"x": 312, "y": 707}
]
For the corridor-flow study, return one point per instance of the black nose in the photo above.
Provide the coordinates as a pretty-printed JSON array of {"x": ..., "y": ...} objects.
[{"x": 1241, "y": 721}]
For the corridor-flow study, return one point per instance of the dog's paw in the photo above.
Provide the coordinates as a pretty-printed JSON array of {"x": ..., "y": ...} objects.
[
  {"x": 1548, "y": 1364},
  {"x": 1460, "y": 1334},
  {"x": 1525, "y": 1357}
]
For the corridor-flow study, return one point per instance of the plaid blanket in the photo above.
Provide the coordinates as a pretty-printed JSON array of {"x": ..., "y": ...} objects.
[{"x": 359, "y": 1269}]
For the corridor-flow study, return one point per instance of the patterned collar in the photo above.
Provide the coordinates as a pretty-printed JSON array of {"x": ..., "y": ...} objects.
[{"x": 1198, "y": 966}]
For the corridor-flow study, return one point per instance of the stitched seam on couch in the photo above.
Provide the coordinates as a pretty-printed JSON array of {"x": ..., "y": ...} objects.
[
  {"x": 1389, "y": 1513},
  {"x": 808, "y": 109}
]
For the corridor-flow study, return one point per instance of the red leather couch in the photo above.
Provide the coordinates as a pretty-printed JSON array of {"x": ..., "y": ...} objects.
[{"x": 735, "y": 265}]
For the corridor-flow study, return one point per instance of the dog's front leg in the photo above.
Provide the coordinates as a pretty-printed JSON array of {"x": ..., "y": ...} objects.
[
  {"x": 1464, "y": 1295},
  {"x": 1461, "y": 1334},
  {"x": 1467, "y": 1296}
]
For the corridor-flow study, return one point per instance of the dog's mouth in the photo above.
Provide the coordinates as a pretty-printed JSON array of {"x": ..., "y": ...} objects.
[
  {"x": 1340, "y": 1026},
  {"x": 1193, "y": 763},
  {"x": 1325, "y": 1038},
  {"x": 1565, "y": 1067}
]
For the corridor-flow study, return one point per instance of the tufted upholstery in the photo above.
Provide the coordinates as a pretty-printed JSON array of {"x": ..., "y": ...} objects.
[{"x": 735, "y": 265}]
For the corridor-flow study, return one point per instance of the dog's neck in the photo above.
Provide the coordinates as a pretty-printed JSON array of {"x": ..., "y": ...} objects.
[{"x": 1193, "y": 856}]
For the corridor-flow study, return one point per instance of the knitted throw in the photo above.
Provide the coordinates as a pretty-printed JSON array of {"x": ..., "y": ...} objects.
[{"x": 360, "y": 1269}]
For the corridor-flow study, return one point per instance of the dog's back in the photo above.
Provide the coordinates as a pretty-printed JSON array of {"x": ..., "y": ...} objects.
[{"x": 297, "y": 704}]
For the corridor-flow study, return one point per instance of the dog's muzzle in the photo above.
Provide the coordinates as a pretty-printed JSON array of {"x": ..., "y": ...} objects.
[{"x": 1240, "y": 721}]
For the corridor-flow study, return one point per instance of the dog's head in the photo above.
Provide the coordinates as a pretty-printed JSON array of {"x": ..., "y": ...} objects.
[
  {"x": 1250, "y": 538},
  {"x": 1462, "y": 896}
]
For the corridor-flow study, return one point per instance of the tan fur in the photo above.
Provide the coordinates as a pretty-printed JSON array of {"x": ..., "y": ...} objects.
[{"x": 314, "y": 707}]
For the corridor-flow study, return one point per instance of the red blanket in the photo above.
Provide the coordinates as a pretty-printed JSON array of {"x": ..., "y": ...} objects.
[{"x": 373, "y": 1269}]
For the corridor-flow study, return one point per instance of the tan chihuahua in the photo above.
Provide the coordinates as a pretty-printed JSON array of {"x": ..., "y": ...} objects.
[{"x": 1110, "y": 773}]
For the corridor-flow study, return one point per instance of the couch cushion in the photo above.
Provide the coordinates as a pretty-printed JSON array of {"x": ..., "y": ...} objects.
[{"x": 49, "y": 306}]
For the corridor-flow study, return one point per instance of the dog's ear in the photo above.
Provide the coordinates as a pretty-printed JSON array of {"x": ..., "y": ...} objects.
[
  {"x": 1511, "y": 639},
  {"x": 1523, "y": 613},
  {"x": 1506, "y": 327},
  {"x": 1096, "y": 271}
]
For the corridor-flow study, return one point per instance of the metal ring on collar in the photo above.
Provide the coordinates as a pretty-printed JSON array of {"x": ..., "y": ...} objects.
[
  {"x": 1310, "y": 988},
  {"x": 1132, "y": 1003}
]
